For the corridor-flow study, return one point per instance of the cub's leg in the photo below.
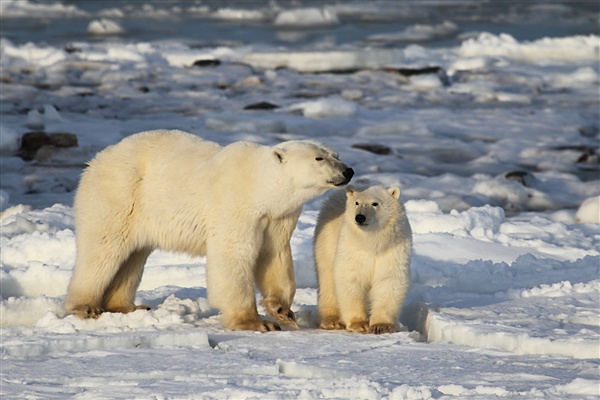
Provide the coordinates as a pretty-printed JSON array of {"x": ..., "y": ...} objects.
[
  {"x": 387, "y": 296},
  {"x": 351, "y": 295},
  {"x": 120, "y": 295}
]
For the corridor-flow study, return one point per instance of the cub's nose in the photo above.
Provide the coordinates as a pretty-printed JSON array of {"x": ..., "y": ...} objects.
[
  {"x": 348, "y": 173},
  {"x": 360, "y": 219}
]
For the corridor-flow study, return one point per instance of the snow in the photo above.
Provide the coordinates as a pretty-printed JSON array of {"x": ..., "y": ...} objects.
[
  {"x": 25, "y": 8},
  {"x": 491, "y": 129},
  {"x": 589, "y": 211},
  {"x": 306, "y": 17},
  {"x": 104, "y": 26},
  {"x": 539, "y": 51}
]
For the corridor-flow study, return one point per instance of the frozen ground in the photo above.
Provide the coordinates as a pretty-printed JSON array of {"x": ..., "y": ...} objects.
[{"x": 485, "y": 115}]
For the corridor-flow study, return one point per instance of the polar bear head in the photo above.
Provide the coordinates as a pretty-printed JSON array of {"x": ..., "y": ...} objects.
[
  {"x": 371, "y": 208},
  {"x": 312, "y": 166}
]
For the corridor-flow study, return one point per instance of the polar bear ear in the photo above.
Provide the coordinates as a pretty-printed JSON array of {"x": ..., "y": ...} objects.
[
  {"x": 350, "y": 190},
  {"x": 395, "y": 192},
  {"x": 279, "y": 155}
]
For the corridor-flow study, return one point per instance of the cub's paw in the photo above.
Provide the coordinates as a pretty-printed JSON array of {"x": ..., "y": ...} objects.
[
  {"x": 359, "y": 326},
  {"x": 86, "y": 311},
  {"x": 379, "y": 329},
  {"x": 282, "y": 314},
  {"x": 332, "y": 323}
]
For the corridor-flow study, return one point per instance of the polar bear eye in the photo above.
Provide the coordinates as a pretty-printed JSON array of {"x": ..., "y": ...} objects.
[
  {"x": 356, "y": 203},
  {"x": 319, "y": 159},
  {"x": 375, "y": 204}
]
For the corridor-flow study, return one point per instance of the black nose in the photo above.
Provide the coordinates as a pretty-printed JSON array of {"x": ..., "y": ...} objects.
[
  {"x": 360, "y": 218},
  {"x": 348, "y": 173}
]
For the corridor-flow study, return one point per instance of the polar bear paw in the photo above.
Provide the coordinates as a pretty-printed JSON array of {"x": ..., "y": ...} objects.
[
  {"x": 332, "y": 323},
  {"x": 359, "y": 326},
  {"x": 86, "y": 311},
  {"x": 281, "y": 313},
  {"x": 379, "y": 329},
  {"x": 255, "y": 325}
]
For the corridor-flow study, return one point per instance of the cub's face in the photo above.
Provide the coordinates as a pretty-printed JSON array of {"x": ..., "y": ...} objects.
[
  {"x": 312, "y": 166},
  {"x": 371, "y": 208}
]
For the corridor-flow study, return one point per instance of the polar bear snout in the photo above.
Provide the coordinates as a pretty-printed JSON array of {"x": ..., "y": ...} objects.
[
  {"x": 360, "y": 219},
  {"x": 347, "y": 174},
  {"x": 343, "y": 176}
]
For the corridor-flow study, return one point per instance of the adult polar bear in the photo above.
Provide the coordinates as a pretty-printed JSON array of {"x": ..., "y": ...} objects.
[{"x": 238, "y": 205}]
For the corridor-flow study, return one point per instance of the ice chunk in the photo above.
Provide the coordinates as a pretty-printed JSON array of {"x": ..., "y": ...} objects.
[
  {"x": 104, "y": 26},
  {"x": 589, "y": 211},
  {"x": 306, "y": 17}
]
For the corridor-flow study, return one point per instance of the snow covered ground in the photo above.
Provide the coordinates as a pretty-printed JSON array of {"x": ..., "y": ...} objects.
[{"x": 485, "y": 113}]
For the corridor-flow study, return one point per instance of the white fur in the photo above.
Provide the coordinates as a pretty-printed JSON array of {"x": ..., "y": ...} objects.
[
  {"x": 238, "y": 205},
  {"x": 366, "y": 266}
]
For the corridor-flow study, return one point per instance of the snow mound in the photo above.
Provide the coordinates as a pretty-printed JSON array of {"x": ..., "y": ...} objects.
[
  {"x": 322, "y": 61},
  {"x": 10, "y": 140},
  {"x": 326, "y": 107},
  {"x": 236, "y": 14},
  {"x": 581, "y": 48},
  {"x": 589, "y": 211},
  {"x": 306, "y": 18},
  {"x": 104, "y": 26},
  {"x": 29, "y": 9}
]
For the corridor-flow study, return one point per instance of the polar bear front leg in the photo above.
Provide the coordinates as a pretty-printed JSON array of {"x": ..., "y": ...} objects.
[
  {"x": 387, "y": 296},
  {"x": 230, "y": 284},
  {"x": 329, "y": 312},
  {"x": 351, "y": 300},
  {"x": 275, "y": 269},
  {"x": 275, "y": 280}
]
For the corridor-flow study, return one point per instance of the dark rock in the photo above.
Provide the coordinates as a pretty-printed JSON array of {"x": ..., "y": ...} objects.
[
  {"x": 407, "y": 72},
  {"x": 588, "y": 153},
  {"x": 63, "y": 139},
  {"x": 207, "y": 63},
  {"x": 69, "y": 48},
  {"x": 416, "y": 71},
  {"x": 263, "y": 105},
  {"x": 144, "y": 89},
  {"x": 31, "y": 142},
  {"x": 373, "y": 148},
  {"x": 522, "y": 177}
]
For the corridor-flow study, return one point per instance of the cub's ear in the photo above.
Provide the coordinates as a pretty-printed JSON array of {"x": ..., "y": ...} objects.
[
  {"x": 350, "y": 190},
  {"x": 395, "y": 192},
  {"x": 279, "y": 155}
]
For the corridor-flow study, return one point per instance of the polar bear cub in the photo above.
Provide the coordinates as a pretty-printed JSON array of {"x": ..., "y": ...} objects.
[
  {"x": 362, "y": 248},
  {"x": 237, "y": 205}
]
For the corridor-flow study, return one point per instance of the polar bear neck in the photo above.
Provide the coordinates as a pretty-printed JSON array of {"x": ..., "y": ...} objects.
[{"x": 281, "y": 197}]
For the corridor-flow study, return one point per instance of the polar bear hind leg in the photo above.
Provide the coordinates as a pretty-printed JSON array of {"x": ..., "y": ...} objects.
[
  {"x": 95, "y": 271},
  {"x": 119, "y": 296}
]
